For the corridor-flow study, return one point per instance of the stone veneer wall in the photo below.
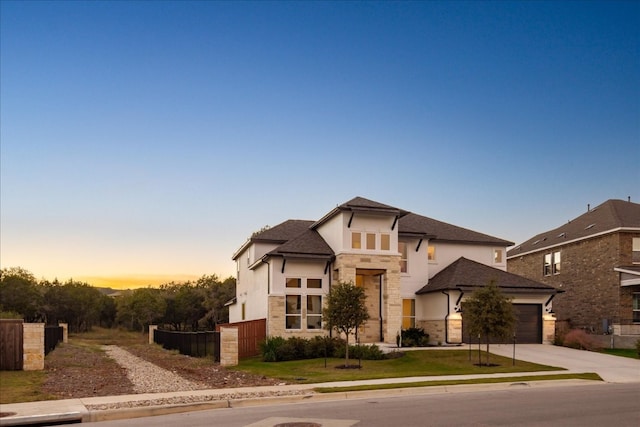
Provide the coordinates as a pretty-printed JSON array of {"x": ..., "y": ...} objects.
[
  {"x": 346, "y": 266},
  {"x": 592, "y": 287},
  {"x": 228, "y": 346},
  {"x": 435, "y": 329},
  {"x": 33, "y": 346}
]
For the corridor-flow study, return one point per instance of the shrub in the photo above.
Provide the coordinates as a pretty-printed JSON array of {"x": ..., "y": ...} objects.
[
  {"x": 270, "y": 347},
  {"x": 414, "y": 337},
  {"x": 324, "y": 346},
  {"x": 579, "y": 339},
  {"x": 638, "y": 347}
]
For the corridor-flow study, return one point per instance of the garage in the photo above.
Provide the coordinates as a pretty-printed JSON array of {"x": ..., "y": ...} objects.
[{"x": 528, "y": 326}]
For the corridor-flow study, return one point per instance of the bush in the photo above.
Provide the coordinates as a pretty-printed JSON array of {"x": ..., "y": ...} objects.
[
  {"x": 278, "y": 349},
  {"x": 270, "y": 348},
  {"x": 579, "y": 339},
  {"x": 414, "y": 337},
  {"x": 638, "y": 347}
]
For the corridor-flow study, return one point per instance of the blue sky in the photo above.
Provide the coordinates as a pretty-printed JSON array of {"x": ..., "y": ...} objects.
[{"x": 152, "y": 138}]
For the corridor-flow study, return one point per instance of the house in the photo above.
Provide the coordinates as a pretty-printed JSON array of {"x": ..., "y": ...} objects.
[
  {"x": 595, "y": 260},
  {"x": 416, "y": 272}
]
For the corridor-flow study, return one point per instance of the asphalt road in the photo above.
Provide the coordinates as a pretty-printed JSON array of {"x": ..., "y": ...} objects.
[{"x": 598, "y": 404}]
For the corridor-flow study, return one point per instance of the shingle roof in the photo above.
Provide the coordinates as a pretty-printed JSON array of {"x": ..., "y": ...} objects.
[
  {"x": 282, "y": 232},
  {"x": 609, "y": 216},
  {"x": 441, "y": 231},
  {"x": 309, "y": 243},
  {"x": 464, "y": 274}
]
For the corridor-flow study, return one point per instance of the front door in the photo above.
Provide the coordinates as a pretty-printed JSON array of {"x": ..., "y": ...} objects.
[{"x": 371, "y": 281}]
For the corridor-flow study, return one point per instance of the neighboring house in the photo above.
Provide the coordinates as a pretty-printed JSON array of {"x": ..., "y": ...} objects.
[
  {"x": 595, "y": 260},
  {"x": 416, "y": 272}
]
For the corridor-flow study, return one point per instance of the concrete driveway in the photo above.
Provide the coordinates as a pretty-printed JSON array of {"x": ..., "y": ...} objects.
[{"x": 613, "y": 369}]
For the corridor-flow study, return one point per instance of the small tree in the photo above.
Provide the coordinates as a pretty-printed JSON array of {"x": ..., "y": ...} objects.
[
  {"x": 490, "y": 314},
  {"x": 345, "y": 310}
]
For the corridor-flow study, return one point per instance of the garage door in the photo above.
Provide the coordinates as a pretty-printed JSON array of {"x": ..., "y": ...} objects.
[{"x": 528, "y": 326}]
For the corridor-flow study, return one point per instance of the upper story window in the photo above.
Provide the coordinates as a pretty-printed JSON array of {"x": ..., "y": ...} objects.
[
  {"x": 551, "y": 263},
  {"x": 370, "y": 241},
  {"x": 385, "y": 241},
  {"x": 402, "y": 248},
  {"x": 356, "y": 240},
  {"x": 497, "y": 256},
  {"x": 431, "y": 253},
  {"x": 635, "y": 254}
]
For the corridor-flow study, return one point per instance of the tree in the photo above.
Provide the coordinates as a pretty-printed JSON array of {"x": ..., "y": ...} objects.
[
  {"x": 489, "y": 314},
  {"x": 345, "y": 310},
  {"x": 141, "y": 307},
  {"x": 217, "y": 294},
  {"x": 77, "y": 303},
  {"x": 20, "y": 293}
]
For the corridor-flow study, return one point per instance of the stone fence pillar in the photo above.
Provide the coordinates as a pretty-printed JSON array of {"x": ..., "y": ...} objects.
[
  {"x": 33, "y": 346},
  {"x": 152, "y": 328},
  {"x": 548, "y": 328},
  {"x": 65, "y": 332},
  {"x": 228, "y": 346}
]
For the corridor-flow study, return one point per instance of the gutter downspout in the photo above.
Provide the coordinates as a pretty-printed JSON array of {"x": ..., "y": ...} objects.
[
  {"x": 263, "y": 259},
  {"x": 446, "y": 319}
]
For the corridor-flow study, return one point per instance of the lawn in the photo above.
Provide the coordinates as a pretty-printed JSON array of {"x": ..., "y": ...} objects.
[
  {"x": 413, "y": 364},
  {"x": 22, "y": 386},
  {"x": 623, "y": 352}
]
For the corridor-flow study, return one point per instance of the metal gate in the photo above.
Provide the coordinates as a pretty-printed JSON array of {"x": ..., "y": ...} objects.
[{"x": 11, "y": 338}]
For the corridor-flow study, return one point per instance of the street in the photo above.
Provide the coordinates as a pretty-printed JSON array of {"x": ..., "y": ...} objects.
[{"x": 598, "y": 404}]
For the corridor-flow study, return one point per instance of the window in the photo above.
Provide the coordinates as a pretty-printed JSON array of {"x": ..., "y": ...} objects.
[
  {"x": 497, "y": 256},
  {"x": 356, "y": 242},
  {"x": 431, "y": 253},
  {"x": 314, "y": 312},
  {"x": 303, "y": 303},
  {"x": 408, "y": 313},
  {"x": 294, "y": 283},
  {"x": 293, "y": 311},
  {"x": 551, "y": 263},
  {"x": 314, "y": 283},
  {"x": 385, "y": 242},
  {"x": 556, "y": 263},
  {"x": 635, "y": 254},
  {"x": 371, "y": 241},
  {"x": 636, "y": 307},
  {"x": 402, "y": 248}
]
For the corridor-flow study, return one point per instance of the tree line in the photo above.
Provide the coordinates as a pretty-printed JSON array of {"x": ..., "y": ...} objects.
[{"x": 180, "y": 306}]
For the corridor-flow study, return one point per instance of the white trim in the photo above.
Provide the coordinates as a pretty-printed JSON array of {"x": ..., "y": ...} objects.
[
  {"x": 566, "y": 242},
  {"x": 624, "y": 270}
]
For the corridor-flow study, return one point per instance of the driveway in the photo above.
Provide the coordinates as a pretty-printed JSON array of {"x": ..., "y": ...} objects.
[{"x": 613, "y": 369}]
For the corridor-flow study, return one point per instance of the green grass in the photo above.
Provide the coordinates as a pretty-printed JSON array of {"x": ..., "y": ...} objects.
[
  {"x": 22, "y": 386},
  {"x": 623, "y": 352},
  {"x": 412, "y": 364},
  {"x": 585, "y": 376}
]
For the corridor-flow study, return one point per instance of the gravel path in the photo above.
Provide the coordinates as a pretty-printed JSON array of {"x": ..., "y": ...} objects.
[{"x": 147, "y": 377}]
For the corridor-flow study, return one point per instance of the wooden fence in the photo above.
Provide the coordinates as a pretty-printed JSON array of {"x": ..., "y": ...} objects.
[
  {"x": 250, "y": 334},
  {"x": 11, "y": 351},
  {"x": 196, "y": 344}
]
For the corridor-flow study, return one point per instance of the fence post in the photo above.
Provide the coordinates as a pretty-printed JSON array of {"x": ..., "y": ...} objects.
[
  {"x": 33, "y": 346},
  {"x": 228, "y": 346},
  {"x": 152, "y": 328},
  {"x": 65, "y": 332}
]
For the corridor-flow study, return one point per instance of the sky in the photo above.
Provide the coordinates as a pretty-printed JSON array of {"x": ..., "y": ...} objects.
[{"x": 147, "y": 140}]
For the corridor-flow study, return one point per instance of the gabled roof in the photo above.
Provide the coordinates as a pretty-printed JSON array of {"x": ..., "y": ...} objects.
[
  {"x": 466, "y": 275},
  {"x": 360, "y": 204},
  {"x": 610, "y": 216},
  {"x": 441, "y": 231},
  {"x": 282, "y": 232},
  {"x": 307, "y": 244},
  {"x": 278, "y": 234}
]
